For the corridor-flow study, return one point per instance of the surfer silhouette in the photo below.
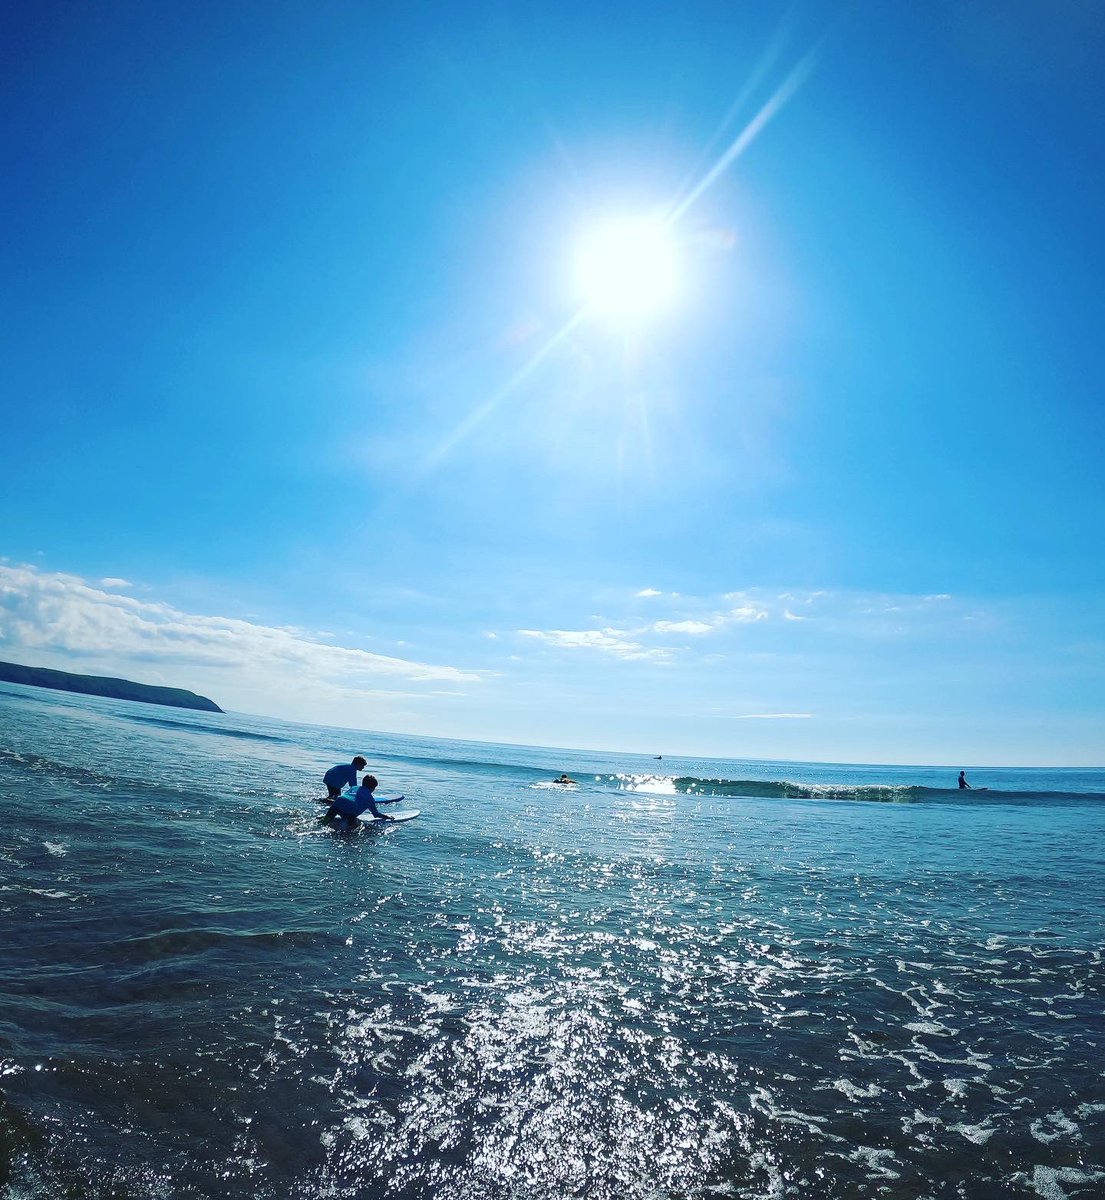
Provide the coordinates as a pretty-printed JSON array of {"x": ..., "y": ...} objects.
[
  {"x": 963, "y": 780},
  {"x": 342, "y": 776}
]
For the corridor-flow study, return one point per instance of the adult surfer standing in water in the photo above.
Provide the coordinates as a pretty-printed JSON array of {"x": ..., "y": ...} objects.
[{"x": 342, "y": 776}]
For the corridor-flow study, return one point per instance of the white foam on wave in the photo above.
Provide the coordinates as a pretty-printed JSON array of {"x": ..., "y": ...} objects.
[
  {"x": 1046, "y": 1181},
  {"x": 49, "y": 893},
  {"x": 978, "y": 1134},
  {"x": 877, "y": 1161},
  {"x": 653, "y": 785},
  {"x": 933, "y": 1027},
  {"x": 854, "y": 1092},
  {"x": 1054, "y": 1126},
  {"x": 763, "y": 1100},
  {"x": 909, "y": 1124}
]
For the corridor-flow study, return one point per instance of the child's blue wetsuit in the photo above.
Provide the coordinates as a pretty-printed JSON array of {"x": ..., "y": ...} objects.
[{"x": 351, "y": 807}]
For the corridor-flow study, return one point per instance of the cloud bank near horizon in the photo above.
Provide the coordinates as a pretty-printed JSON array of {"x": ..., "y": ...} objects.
[
  {"x": 828, "y": 615},
  {"x": 64, "y": 616},
  {"x": 817, "y": 674}
]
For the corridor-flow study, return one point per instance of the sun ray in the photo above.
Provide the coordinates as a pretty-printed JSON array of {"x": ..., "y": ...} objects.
[
  {"x": 481, "y": 412},
  {"x": 765, "y": 65},
  {"x": 746, "y": 137}
]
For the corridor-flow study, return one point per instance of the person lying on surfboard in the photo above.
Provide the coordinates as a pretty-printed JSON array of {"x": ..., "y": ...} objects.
[
  {"x": 351, "y": 807},
  {"x": 564, "y": 779}
]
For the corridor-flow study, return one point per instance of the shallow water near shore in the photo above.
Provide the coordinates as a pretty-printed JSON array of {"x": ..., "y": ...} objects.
[{"x": 678, "y": 978}]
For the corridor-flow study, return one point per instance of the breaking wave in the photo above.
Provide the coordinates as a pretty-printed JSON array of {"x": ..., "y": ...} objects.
[{"x": 781, "y": 789}]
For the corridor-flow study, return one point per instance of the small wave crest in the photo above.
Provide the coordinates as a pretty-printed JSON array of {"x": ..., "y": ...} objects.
[
  {"x": 781, "y": 789},
  {"x": 198, "y": 727},
  {"x": 693, "y": 785},
  {"x": 786, "y": 790},
  {"x": 178, "y": 943}
]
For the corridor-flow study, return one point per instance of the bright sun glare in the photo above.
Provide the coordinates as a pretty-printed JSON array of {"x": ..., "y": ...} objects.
[{"x": 627, "y": 270}]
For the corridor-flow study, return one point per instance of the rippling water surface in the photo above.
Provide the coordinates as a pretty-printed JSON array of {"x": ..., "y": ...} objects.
[{"x": 676, "y": 979}]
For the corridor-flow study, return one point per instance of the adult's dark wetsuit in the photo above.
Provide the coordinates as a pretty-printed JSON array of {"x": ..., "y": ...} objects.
[{"x": 342, "y": 776}]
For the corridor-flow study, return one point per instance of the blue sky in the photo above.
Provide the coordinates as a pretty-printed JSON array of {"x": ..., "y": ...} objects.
[{"x": 294, "y": 362}]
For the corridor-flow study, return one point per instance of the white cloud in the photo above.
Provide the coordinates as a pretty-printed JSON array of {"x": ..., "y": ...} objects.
[
  {"x": 693, "y": 627},
  {"x": 714, "y": 622},
  {"x": 115, "y": 583},
  {"x": 628, "y": 643},
  {"x": 772, "y": 716},
  {"x": 64, "y": 615},
  {"x": 724, "y": 618},
  {"x": 608, "y": 641}
]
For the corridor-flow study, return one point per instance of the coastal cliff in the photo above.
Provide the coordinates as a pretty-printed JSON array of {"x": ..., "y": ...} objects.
[{"x": 101, "y": 685}]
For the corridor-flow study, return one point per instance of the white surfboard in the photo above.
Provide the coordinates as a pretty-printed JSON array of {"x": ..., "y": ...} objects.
[{"x": 389, "y": 819}]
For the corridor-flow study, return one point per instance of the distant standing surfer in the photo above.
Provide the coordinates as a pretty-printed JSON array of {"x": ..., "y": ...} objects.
[
  {"x": 342, "y": 776},
  {"x": 963, "y": 780}
]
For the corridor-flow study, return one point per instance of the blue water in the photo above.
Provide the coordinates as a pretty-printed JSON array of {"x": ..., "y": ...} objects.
[{"x": 681, "y": 978}]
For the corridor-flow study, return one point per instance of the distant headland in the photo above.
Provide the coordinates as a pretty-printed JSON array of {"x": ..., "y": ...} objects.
[{"x": 101, "y": 685}]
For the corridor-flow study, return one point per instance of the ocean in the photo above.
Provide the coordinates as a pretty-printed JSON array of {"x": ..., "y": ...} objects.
[{"x": 680, "y": 978}]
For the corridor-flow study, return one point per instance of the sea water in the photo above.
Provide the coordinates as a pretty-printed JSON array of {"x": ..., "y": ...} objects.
[{"x": 678, "y": 978}]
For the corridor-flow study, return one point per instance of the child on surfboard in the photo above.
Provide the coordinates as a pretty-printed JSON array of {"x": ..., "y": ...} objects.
[{"x": 351, "y": 807}]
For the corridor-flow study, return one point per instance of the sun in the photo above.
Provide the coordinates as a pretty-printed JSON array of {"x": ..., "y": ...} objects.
[{"x": 627, "y": 269}]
